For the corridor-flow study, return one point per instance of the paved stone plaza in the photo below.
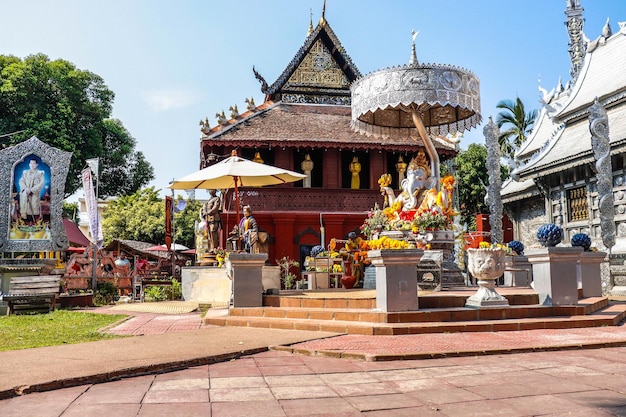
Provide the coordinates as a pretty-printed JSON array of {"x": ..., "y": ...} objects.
[{"x": 587, "y": 381}]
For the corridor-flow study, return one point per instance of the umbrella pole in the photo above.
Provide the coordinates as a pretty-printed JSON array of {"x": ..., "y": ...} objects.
[
  {"x": 238, "y": 215},
  {"x": 430, "y": 147}
]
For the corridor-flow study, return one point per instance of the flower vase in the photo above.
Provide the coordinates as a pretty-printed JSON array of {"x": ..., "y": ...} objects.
[
  {"x": 348, "y": 280},
  {"x": 487, "y": 265}
]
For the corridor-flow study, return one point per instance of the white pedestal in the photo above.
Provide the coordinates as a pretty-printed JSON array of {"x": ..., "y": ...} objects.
[
  {"x": 554, "y": 274},
  {"x": 518, "y": 272},
  {"x": 206, "y": 285},
  {"x": 211, "y": 285},
  {"x": 589, "y": 273},
  {"x": 271, "y": 279},
  {"x": 396, "y": 278}
]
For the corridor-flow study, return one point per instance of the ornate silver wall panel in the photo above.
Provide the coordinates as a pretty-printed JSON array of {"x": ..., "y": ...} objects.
[
  {"x": 601, "y": 145},
  {"x": 531, "y": 218},
  {"x": 19, "y": 233}
]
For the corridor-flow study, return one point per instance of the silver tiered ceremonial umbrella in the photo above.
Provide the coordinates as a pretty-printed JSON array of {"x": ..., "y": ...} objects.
[{"x": 433, "y": 98}]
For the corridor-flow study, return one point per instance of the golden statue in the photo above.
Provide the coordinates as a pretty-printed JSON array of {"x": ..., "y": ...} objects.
[
  {"x": 355, "y": 169},
  {"x": 401, "y": 169}
]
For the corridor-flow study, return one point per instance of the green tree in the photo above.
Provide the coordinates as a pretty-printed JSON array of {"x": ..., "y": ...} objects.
[
  {"x": 123, "y": 171},
  {"x": 472, "y": 176},
  {"x": 141, "y": 216},
  {"x": 517, "y": 123},
  {"x": 69, "y": 109},
  {"x": 70, "y": 211},
  {"x": 138, "y": 216}
]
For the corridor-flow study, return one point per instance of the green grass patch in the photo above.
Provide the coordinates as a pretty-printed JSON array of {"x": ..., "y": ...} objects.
[{"x": 59, "y": 327}]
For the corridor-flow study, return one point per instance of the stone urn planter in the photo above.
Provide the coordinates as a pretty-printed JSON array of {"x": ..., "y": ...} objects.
[{"x": 487, "y": 265}]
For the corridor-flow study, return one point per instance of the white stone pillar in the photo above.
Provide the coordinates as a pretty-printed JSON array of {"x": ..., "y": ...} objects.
[
  {"x": 590, "y": 276},
  {"x": 396, "y": 278},
  {"x": 554, "y": 274},
  {"x": 518, "y": 272}
]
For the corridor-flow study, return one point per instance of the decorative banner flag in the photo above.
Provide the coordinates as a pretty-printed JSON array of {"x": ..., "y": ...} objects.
[
  {"x": 168, "y": 221},
  {"x": 95, "y": 229},
  {"x": 180, "y": 206}
]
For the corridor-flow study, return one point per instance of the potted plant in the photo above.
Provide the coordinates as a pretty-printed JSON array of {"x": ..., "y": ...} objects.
[{"x": 287, "y": 277}]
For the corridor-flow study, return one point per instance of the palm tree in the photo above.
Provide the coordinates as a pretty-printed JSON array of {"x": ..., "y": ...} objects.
[{"x": 518, "y": 124}]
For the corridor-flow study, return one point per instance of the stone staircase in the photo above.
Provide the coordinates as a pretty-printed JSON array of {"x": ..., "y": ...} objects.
[{"x": 354, "y": 312}]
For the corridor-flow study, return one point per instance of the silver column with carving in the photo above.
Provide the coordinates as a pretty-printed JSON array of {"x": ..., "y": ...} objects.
[
  {"x": 601, "y": 145},
  {"x": 494, "y": 201}
]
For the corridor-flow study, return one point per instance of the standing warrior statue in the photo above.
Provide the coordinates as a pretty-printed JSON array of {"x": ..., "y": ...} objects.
[{"x": 212, "y": 216}]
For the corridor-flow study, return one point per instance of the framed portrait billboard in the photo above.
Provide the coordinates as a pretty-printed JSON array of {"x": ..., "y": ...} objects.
[{"x": 31, "y": 197}]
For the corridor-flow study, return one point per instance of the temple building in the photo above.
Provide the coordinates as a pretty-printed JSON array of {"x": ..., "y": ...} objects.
[
  {"x": 556, "y": 179},
  {"x": 304, "y": 125}
]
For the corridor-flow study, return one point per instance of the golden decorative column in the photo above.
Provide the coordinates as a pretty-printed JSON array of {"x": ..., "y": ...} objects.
[
  {"x": 401, "y": 168},
  {"x": 355, "y": 169},
  {"x": 307, "y": 167}
]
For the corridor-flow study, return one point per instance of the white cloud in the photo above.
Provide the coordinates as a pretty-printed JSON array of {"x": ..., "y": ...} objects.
[{"x": 163, "y": 100}]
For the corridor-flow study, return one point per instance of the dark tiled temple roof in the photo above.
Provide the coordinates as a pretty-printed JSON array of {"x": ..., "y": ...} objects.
[{"x": 305, "y": 125}]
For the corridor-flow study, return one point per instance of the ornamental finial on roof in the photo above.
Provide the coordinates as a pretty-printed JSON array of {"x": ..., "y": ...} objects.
[
  {"x": 234, "y": 112},
  {"x": 250, "y": 103},
  {"x": 205, "y": 126},
  {"x": 606, "y": 30},
  {"x": 221, "y": 118},
  {"x": 323, "y": 18},
  {"x": 577, "y": 42},
  {"x": 259, "y": 77},
  {"x": 413, "y": 60},
  {"x": 308, "y": 33}
]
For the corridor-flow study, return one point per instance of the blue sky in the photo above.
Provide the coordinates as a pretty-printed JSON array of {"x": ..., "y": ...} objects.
[{"x": 173, "y": 63}]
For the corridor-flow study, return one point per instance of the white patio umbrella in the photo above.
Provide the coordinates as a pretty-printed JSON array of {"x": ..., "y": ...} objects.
[{"x": 235, "y": 172}]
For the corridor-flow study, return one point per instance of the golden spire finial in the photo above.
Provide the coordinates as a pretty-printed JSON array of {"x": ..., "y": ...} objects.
[
  {"x": 323, "y": 18},
  {"x": 308, "y": 33}
]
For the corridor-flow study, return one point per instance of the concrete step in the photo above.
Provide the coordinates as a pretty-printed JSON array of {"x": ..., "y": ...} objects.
[{"x": 592, "y": 312}]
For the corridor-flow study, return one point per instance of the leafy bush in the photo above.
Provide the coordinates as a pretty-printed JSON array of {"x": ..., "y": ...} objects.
[
  {"x": 154, "y": 293},
  {"x": 106, "y": 293},
  {"x": 175, "y": 291}
]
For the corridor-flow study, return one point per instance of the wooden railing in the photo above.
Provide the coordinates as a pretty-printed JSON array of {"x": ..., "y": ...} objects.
[{"x": 305, "y": 199}]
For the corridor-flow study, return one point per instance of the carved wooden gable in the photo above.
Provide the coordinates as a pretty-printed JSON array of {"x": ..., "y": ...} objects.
[{"x": 318, "y": 68}]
